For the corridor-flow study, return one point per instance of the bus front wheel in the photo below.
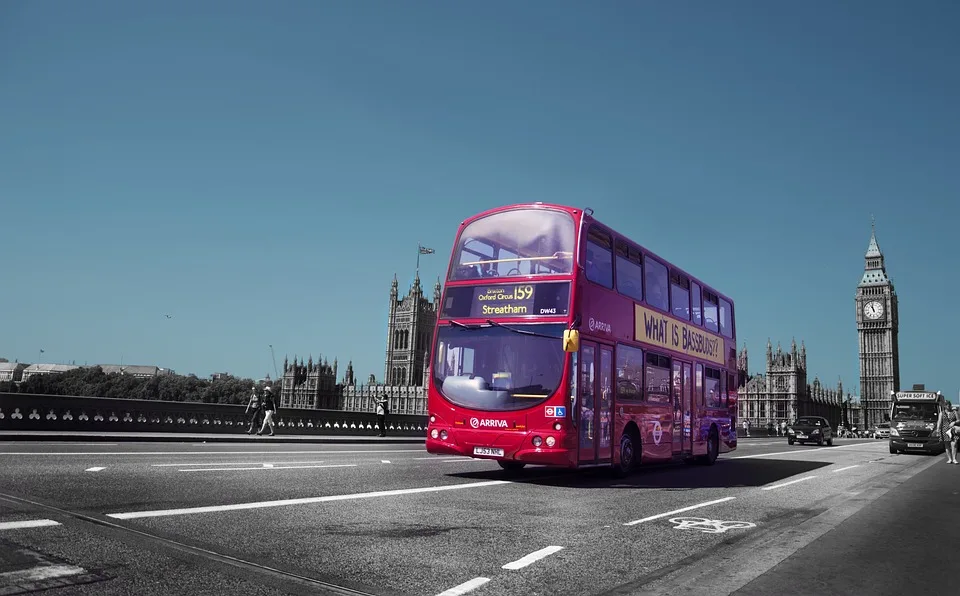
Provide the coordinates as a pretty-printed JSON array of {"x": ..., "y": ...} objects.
[{"x": 511, "y": 466}]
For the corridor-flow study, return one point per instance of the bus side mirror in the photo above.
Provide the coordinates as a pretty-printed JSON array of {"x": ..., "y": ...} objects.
[{"x": 571, "y": 340}]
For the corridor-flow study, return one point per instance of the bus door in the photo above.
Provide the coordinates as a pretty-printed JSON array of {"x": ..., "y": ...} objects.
[
  {"x": 683, "y": 411},
  {"x": 596, "y": 403}
]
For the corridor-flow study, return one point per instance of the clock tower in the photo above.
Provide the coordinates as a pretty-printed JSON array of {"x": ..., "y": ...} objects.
[{"x": 877, "y": 328}]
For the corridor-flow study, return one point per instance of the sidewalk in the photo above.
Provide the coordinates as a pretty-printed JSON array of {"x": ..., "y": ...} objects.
[
  {"x": 241, "y": 437},
  {"x": 902, "y": 543}
]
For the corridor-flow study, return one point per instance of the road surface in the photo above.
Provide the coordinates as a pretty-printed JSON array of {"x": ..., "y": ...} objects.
[{"x": 214, "y": 518}]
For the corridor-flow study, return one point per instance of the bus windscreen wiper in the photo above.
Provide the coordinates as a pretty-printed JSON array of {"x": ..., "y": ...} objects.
[
  {"x": 521, "y": 331},
  {"x": 464, "y": 325}
]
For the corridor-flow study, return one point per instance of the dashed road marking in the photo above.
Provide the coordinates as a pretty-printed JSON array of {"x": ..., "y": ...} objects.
[
  {"x": 782, "y": 484},
  {"x": 95, "y": 469},
  {"x": 847, "y": 468},
  {"x": 675, "y": 511},
  {"x": 38, "y": 574},
  {"x": 303, "y": 501},
  {"x": 532, "y": 557},
  {"x": 384, "y": 461},
  {"x": 28, "y": 523},
  {"x": 465, "y": 587}
]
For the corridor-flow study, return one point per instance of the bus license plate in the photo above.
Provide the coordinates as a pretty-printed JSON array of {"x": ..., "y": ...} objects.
[
  {"x": 915, "y": 445},
  {"x": 488, "y": 451}
]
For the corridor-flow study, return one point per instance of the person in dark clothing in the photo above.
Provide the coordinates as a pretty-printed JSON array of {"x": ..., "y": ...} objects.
[
  {"x": 381, "y": 405},
  {"x": 254, "y": 410},
  {"x": 269, "y": 410}
]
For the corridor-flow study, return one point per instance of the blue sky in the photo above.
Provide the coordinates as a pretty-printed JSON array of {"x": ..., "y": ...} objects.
[{"x": 260, "y": 170}]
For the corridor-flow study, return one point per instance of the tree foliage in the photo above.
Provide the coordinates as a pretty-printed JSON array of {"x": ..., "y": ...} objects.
[{"x": 93, "y": 382}]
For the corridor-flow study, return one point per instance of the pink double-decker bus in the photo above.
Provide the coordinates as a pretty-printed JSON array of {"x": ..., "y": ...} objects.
[{"x": 560, "y": 342}]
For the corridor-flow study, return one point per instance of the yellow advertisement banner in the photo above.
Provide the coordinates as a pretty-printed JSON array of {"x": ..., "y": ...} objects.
[{"x": 657, "y": 328}]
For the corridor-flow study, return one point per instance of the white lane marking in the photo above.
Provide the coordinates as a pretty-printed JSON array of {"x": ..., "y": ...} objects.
[
  {"x": 532, "y": 557},
  {"x": 847, "y": 468},
  {"x": 675, "y": 511},
  {"x": 745, "y": 444},
  {"x": 237, "y": 463},
  {"x": 303, "y": 501},
  {"x": 802, "y": 451},
  {"x": 462, "y": 459},
  {"x": 29, "y": 523},
  {"x": 95, "y": 469},
  {"x": 782, "y": 484},
  {"x": 268, "y": 467},
  {"x": 205, "y": 452},
  {"x": 58, "y": 443},
  {"x": 40, "y": 573},
  {"x": 384, "y": 461},
  {"x": 465, "y": 587}
]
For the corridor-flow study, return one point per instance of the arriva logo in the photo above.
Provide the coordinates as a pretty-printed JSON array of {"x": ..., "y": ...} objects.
[
  {"x": 487, "y": 422},
  {"x": 596, "y": 325}
]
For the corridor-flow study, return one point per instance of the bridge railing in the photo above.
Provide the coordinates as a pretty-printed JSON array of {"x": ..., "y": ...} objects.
[{"x": 24, "y": 411}]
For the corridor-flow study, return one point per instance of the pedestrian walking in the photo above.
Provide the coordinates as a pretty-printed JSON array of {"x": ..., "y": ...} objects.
[
  {"x": 947, "y": 425},
  {"x": 382, "y": 411},
  {"x": 269, "y": 410},
  {"x": 254, "y": 410}
]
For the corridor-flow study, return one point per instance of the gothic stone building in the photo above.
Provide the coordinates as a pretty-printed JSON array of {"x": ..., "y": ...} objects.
[
  {"x": 877, "y": 328},
  {"x": 410, "y": 324},
  {"x": 783, "y": 394},
  {"x": 310, "y": 385}
]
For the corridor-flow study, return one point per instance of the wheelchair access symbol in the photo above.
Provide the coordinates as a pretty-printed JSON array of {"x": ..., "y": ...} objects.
[
  {"x": 555, "y": 411},
  {"x": 709, "y": 526}
]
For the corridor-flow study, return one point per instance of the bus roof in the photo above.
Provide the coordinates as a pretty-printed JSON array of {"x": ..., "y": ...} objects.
[{"x": 587, "y": 216}]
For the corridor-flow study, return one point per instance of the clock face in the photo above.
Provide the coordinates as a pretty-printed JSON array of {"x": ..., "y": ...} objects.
[{"x": 873, "y": 310}]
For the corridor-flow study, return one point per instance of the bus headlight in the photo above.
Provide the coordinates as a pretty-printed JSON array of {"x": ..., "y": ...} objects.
[
  {"x": 432, "y": 418},
  {"x": 556, "y": 426},
  {"x": 551, "y": 441},
  {"x": 443, "y": 435},
  {"x": 434, "y": 433},
  {"x": 537, "y": 441}
]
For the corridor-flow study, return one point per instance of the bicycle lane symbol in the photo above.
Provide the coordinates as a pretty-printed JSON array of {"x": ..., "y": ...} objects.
[{"x": 709, "y": 526}]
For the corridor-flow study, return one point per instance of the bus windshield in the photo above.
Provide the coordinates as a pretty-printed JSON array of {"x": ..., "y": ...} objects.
[
  {"x": 923, "y": 412},
  {"x": 497, "y": 368},
  {"x": 513, "y": 243}
]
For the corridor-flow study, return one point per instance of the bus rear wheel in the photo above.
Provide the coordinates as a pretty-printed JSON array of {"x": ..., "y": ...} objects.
[
  {"x": 629, "y": 446},
  {"x": 713, "y": 449}
]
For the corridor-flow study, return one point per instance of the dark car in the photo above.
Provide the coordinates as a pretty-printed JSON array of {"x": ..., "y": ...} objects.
[{"x": 810, "y": 429}]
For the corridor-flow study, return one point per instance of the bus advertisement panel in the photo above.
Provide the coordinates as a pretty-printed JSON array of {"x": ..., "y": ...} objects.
[{"x": 561, "y": 343}]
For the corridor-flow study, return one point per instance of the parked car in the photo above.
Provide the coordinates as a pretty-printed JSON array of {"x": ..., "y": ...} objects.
[{"x": 810, "y": 429}]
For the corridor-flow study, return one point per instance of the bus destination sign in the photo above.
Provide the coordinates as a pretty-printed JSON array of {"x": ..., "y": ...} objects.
[
  {"x": 507, "y": 300},
  {"x": 917, "y": 395}
]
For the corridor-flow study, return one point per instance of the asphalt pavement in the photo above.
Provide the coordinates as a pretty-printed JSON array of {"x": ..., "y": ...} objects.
[{"x": 104, "y": 517}]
